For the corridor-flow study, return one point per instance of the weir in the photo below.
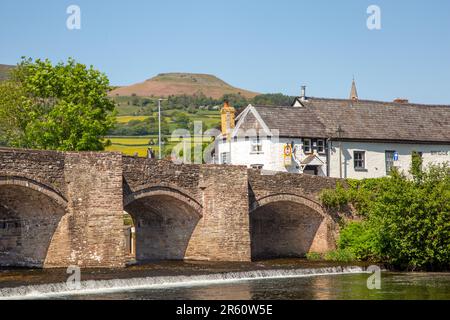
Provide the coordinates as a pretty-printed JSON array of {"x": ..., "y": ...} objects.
[
  {"x": 66, "y": 208},
  {"x": 119, "y": 285}
]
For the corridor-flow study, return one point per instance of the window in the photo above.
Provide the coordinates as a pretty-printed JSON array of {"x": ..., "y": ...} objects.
[
  {"x": 256, "y": 146},
  {"x": 257, "y": 166},
  {"x": 359, "y": 158},
  {"x": 307, "y": 145},
  {"x": 225, "y": 156},
  {"x": 320, "y": 146},
  {"x": 389, "y": 161}
]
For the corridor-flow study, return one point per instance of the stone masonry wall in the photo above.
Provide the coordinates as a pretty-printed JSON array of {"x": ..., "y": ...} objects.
[
  {"x": 45, "y": 167},
  {"x": 223, "y": 232},
  {"x": 141, "y": 173},
  {"x": 290, "y": 183},
  {"x": 95, "y": 209}
]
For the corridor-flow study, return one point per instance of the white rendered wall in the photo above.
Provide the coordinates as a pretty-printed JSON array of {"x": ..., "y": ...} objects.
[
  {"x": 375, "y": 161},
  {"x": 271, "y": 156}
]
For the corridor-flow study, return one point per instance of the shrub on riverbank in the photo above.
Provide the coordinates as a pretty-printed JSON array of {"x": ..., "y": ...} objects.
[{"x": 405, "y": 222}]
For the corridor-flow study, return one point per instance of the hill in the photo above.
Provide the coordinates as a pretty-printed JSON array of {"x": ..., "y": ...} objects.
[
  {"x": 166, "y": 84},
  {"x": 4, "y": 71}
]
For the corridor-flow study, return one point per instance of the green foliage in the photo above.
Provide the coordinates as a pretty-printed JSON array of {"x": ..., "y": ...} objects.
[
  {"x": 314, "y": 256},
  {"x": 135, "y": 105},
  {"x": 58, "y": 107},
  {"x": 406, "y": 221},
  {"x": 355, "y": 238},
  {"x": 416, "y": 166},
  {"x": 340, "y": 255},
  {"x": 137, "y": 127},
  {"x": 335, "y": 199},
  {"x": 276, "y": 99}
]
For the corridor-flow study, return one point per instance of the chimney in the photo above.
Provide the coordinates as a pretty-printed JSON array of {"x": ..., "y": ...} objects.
[
  {"x": 227, "y": 115},
  {"x": 402, "y": 101},
  {"x": 303, "y": 93}
]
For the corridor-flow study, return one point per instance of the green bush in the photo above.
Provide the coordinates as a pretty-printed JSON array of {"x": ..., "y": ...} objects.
[
  {"x": 334, "y": 199},
  {"x": 357, "y": 239},
  {"x": 406, "y": 222}
]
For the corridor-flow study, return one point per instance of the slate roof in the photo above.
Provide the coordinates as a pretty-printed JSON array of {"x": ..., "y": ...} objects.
[{"x": 360, "y": 120}]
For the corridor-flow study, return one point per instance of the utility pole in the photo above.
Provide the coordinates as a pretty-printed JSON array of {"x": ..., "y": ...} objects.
[{"x": 159, "y": 128}]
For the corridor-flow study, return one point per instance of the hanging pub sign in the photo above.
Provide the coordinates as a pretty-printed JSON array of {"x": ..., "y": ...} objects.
[{"x": 287, "y": 154}]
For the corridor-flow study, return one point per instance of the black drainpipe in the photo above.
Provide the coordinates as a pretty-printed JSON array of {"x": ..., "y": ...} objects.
[{"x": 329, "y": 146}]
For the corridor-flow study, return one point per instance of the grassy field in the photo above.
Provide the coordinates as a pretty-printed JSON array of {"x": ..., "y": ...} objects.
[
  {"x": 126, "y": 119},
  {"x": 131, "y": 145},
  {"x": 139, "y": 145}
]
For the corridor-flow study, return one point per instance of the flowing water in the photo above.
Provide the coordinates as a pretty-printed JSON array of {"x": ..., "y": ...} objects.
[{"x": 282, "y": 279}]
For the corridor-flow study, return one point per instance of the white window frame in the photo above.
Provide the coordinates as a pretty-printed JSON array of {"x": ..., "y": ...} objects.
[
  {"x": 362, "y": 160},
  {"x": 321, "y": 146},
  {"x": 256, "y": 146},
  {"x": 309, "y": 146},
  {"x": 225, "y": 158}
]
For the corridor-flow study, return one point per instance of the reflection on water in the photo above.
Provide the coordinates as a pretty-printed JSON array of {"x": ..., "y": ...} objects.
[{"x": 395, "y": 286}]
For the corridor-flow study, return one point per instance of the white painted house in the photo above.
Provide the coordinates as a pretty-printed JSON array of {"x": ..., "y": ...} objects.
[{"x": 338, "y": 138}]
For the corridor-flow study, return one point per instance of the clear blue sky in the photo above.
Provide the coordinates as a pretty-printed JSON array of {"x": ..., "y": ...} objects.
[{"x": 265, "y": 46}]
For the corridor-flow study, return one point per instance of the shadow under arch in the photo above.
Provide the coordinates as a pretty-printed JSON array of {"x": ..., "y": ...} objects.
[
  {"x": 286, "y": 226},
  {"x": 164, "y": 219},
  {"x": 30, "y": 213}
]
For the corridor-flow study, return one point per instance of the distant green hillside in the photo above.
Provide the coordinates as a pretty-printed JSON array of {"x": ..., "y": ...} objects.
[
  {"x": 168, "y": 84},
  {"x": 4, "y": 71}
]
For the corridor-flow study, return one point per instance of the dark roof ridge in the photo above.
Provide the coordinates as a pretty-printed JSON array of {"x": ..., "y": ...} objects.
[{"x": 375, "y": 101}]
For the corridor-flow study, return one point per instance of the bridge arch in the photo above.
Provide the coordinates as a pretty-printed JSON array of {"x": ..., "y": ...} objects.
[
  {"x": 30, "y": 214},
  {"x": 34, "y": 185},
  {"x": 165, "y": 219},
  {"x": 287, "y": 225}
]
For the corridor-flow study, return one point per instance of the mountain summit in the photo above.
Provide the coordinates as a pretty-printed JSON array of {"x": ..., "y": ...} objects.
[{"x": 166, "y": 84}]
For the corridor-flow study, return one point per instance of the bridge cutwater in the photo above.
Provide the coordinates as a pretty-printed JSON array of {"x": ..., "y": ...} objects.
[{"x": 67, "y": 208}]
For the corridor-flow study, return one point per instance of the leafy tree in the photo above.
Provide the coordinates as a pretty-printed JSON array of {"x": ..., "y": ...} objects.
[
  {"x": 276, "y": 99},
  {"x": 59, "y": 107}
]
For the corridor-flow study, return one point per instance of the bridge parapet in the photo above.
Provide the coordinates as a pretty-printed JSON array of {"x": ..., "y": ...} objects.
[
  {"x": 307, "y": 186},
  {"x": 42, "y": 167}
]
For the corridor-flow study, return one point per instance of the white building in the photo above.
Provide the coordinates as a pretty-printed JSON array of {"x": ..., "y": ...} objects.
[{"x": 338, "y": 138}]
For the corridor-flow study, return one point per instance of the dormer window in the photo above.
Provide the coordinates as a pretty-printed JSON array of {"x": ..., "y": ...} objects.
[{"x": 307, "y": 146}]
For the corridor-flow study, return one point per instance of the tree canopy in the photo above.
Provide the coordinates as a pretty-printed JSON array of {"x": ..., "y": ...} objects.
[{"x": 58, "y": 107}]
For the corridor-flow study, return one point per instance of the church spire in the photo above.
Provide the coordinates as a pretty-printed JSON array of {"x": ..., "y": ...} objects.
[{"x": 353, "y": 91}]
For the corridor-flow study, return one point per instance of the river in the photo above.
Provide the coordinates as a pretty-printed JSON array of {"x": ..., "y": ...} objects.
[{"x": 278, "y": 279}]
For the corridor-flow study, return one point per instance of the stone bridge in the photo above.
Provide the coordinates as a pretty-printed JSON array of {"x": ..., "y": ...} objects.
[{"x": 67, "y": 208}]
